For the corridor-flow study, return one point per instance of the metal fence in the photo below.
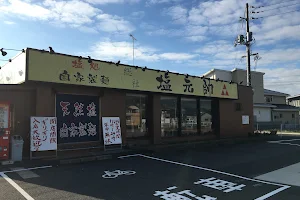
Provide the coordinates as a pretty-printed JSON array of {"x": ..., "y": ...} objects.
[{"x": 271, "y": 126}]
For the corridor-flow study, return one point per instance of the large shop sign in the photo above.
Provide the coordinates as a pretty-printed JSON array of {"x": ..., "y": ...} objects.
[
  {"x": 74, "y": 70},
  {"x": 77, "y": 118}
]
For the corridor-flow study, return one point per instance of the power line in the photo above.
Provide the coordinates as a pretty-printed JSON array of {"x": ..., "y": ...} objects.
[
  {"x": 275, "y": 8},
  {"x": 271, "y": 4},
  {"x": 275, "y": 14}
]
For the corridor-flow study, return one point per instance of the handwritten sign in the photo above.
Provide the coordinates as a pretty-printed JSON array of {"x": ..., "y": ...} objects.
[
  {"x": 111, "y": 130},
  {"x": 77, "y": 118},
  {"x": 43, "y": 133}
]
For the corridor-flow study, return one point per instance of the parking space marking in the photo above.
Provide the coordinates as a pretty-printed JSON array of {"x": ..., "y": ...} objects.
[
  {"x": 272, "y": 193},
  {"x": 282, "y": 187},
  {"x": 16, "y": 186},
  {"x": 25, "y": 174},
  {"x": 277, "y": 141},
  {"x": 25, "y": 169},
  {"x": 287, "y": 175}
]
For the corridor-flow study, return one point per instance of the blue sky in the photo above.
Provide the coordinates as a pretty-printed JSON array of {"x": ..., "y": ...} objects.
[{"x": 186, "y": 36}]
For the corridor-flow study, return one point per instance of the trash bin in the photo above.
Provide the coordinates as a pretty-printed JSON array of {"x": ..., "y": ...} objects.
[{"x": 16, "y": 148}]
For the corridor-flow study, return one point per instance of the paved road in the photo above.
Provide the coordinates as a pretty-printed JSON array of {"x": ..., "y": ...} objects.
[{"x": 246, "y": 171}]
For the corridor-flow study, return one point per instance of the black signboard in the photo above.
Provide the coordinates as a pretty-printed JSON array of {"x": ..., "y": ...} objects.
[{"x": 77, "y": 118}]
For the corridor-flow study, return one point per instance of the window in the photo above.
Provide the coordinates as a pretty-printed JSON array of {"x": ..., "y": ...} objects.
[
  {"x": 136, "y": 115},
  {"x": 269, "y": 99},
  {"x": 189, "y": 116},
  {"x": 293, "y": 115},
  {"x": 238, "y": 106},
  {"x": 206, "y": 116},
  {"x": 280, "y": 115},
  {"x": 169, "y": 119}
]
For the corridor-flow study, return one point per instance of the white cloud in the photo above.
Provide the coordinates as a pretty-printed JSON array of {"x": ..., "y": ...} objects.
[
  {"x": 75, "y": 14},
  {"x": 177, "y": 13},
  {"x": 177, "y": 56},
  {"x": 284, "y": 79},
  {"x": 138, "y": 14},
  {"x": 109, "y": 50},
  {"x": 195, "y": 38},
  {"x": 110, "y": 23},
  {"x": 101, "y": 2},
  {"x": 9, "y": 22},
  {"x": 26, "y": 9},
  {"x": 153, "y": 2}
]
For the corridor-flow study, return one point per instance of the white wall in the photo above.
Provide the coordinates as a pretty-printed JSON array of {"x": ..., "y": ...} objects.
[
  {"x": 262, "y": 114},
  {"x": 223, "y": 75},
  {"x": 14, "y": 72}
]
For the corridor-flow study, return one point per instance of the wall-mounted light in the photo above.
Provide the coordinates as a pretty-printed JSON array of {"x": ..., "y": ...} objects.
[
  {"x": 144, "y": 68},
  {"x": 51, "y": 50},
  {"x": 4, "y": 53},
  {"x": 89, "y": 59},
  {"x": 117, "y": 63}
]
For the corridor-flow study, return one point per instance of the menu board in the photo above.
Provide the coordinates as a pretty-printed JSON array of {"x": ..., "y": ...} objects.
[
  {"x": 111, "y": 130},
  {"x": 43, "y": 133}
]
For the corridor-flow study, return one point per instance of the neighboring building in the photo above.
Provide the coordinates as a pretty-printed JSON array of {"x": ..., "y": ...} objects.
[
  {"x": 282, "y": 112},
  {"x": 268, "y": 105},
  {"x": 154, "y": 106},
  {"x": 294, "y": 101}
]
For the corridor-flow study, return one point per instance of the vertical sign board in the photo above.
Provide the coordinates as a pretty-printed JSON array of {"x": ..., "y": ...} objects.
[
  {"x": 43, "y": 133},
  {"x": 77, "y": 118},
  {"x": 245, "y": 119},
  {"x": 111, "y": 130},
  {"x": 4, "y": 131},
  {"x": 4, "y": 116}
]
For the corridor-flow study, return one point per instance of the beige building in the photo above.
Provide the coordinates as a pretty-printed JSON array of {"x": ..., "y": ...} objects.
[{"x": 268, "y": 105}]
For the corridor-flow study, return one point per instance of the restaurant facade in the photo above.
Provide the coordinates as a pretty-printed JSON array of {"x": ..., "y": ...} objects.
[{"x": 154, "y": 106}]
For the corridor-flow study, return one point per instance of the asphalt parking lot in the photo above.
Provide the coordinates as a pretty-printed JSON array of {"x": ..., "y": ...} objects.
[{"x": 229, "y": 172}]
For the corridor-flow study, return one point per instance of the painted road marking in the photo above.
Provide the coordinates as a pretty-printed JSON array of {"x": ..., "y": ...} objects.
[
  {"x": 116, "y": 173},
  {"x": 288, "y": 175},
  {"x": 277, "y": 141},
  {"x": 16, "y": 186},
  {"x": 282, "y": 187},
  {"x": 25, "y": 169},
  {"x": 25, "y": 174}
]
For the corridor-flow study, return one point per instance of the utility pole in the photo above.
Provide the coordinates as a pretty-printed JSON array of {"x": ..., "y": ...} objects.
[
  {"x": 133, "y": 39},
  {"x": 248, "y": 40},
  {"x": 242, "y": 40}
]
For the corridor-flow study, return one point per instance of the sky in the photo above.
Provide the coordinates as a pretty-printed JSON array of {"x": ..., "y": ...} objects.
[{"x": 185, "y": 36}]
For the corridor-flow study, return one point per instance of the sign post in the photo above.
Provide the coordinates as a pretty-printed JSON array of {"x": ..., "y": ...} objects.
[
  {"x": 111, "y": 131},
  {"x": 43, "y": 134}
]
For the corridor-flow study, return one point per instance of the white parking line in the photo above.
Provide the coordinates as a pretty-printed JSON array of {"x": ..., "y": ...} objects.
[
  {"x": 282, "y": 187},
  {"x": 16, "y": 186},
  {"x": 25, "y": 169},
  {"x": 272, "y": 193},
  {"x": 277, "y": 141}
]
